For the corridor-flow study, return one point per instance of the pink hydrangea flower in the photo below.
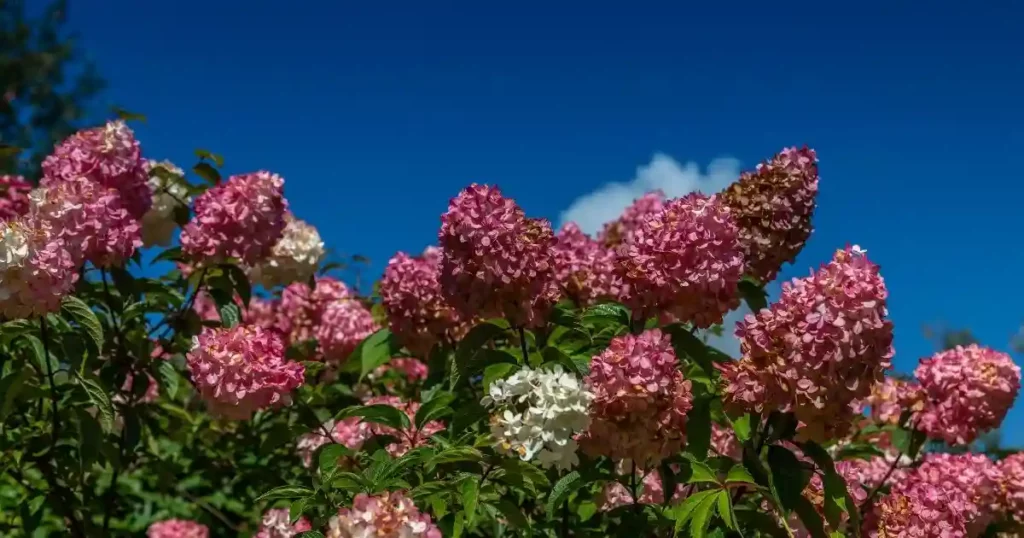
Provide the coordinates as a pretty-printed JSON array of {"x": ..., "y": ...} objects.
[
  {"x": 413, "y": 370},
  {"x": 890, "y": 398},
  {"x": 640, "y": 400},
  {"x": 277, "y": 523},
  {"x": 968, "y": 391},
  {"x": 241, "y": 370},
  {"x": 773, "y": 206},
  {"x": 585, "y": 268},
  {"x": 36, "y": 271},
  {"x": 417, "y": 312},
  {"x": 351, "y": 432},
  {"x": 90, "y": 219},
  {"x": 818, "y": 350},
  {"x": 388, "y": 515},
  {"x": 262, "y": 313},
  {"x": 684, "y": 262},
  {"x": 495, "y": 261},
  {"x": 409, "y": 438},
  {"x": 344, "y": 325},
  {"x": 725, "y": 443},
  {"x": 301, "y": 309},
  {"x": 652, "y": 491},
  {"x": 152, "y": 390},
  {"x": 973, "y": 476},
  {"x": 109, "y": 156},
  {"x": 13, "y": 196},
  {"x": 915, "y": 509},
  {"x": 622, "y": 229},
  {"x": 1011, "y": 486},
  {"x": 242, "y": 218},
  {"x": 177, "y": 528}
]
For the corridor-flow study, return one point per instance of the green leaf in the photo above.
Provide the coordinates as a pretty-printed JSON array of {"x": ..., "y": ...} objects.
[
  {"x": 169, "y": 378},
  {"x": 788, "y": 475},
  {"x": 85, "y": 317},
  {"x": 10, "y": 388},
  {"x": 310, "y": 534},
  {"x": 328, "y": 459},
  {"x": 767, "y": 524},
  {"x": 606, "y": 312},
  {"x": 702, "y": 515},
  {"x": 513, "y": 514},
  {"x": 172, "y": 254},
  {"x": 285, "y": 492},
  {"x": 230, "y": 315},
  {"x": 739, "y": 474},
  {"x": 126, "y": 115},
  {"x": 687, "y": 344},
  {"x": 725, "y": 509},
  {"x": 580, "y": 367},
  {"x": 216, "y": 158},
  {"x": 698, "y": 428},
  {"x": 669, "y": 480},
  {"x": 701, "y": 473},
  {"x": 742, "y": 427},
  {"x": 472, "y": 344},
  {"x": 565, "y": 485},
  {"x": 98, "y": 395},
  {"x": 454, "y": 454},
  {"x": 837, "y": 499},
  {"x": 470, "y": 490},
  {"x": 683, "y": 512},
  {"x": 375, "y": 351},
  {"x": 207, "y": 172},
  {"x": 810, "y": 517},
  {"x": 753, "y": 293},
  {"x": 380, "y": 414},
  {"x": 498, "y": 371},
  {"x": 239, "y": 282},
  {"x": 437, "y": 407}
]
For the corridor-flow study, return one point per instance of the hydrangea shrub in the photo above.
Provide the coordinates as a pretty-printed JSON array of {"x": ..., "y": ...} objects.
[{"x": 180, "y": 357}]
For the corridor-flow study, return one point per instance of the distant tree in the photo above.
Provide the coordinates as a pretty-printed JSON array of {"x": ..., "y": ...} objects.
[{"x": 45, "y": 85}]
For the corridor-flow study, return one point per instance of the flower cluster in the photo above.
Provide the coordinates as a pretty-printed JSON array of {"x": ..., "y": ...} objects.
[
  {"x": 536, "y": 414},
  {"x": 584, "y": 268},
  {"x": 890, "y": 398},
  {"x": 388, "y": 515},
  {"x": 495, "y": 261},
  {"x": 1011, "y": 486},
  {"x": 968, "y": 391},
  {"x": 622, "y": 229},
  {"x": 971, "y": 477},
  {"x": 90, "y": 219},
  {"x": 301, "y": 309},
  {"x": 413, "y": 370},
  {"x": 417, "y": 312},
  {"x": 407, "y": 438},
  {"x": 683, "y": 262},
  {"x": 177, "y": 528},
  {"x": 170, "y": 194},
  {"x": 815, "y": 489},
  {"x": 13, "y": 196},
  {"x": 294, "y": 258},
  {"x": 773, "y": 206},
  {"x": 350, "y": 432},
  {"x": 818, "y": 350},
  {"x": 108, "y": 156},
  {"x": 922, "y": 510},
  {"x": 241, "y": 370},
  {"x": 241, "y": 218},
  {"x": 35, "y": 270},
  {"x": 277, "y": 523},
  {"x": 640, "y": 400},
  {"x": 614, "y": 494},
  {"x": 344, "y": 324}
]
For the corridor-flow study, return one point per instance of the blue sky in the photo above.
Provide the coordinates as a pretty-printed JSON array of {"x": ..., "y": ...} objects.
[{"x": 377, "y": 114}]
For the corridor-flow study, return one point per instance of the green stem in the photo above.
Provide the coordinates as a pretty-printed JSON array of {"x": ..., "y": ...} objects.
[{"x": 522, "y": 344}]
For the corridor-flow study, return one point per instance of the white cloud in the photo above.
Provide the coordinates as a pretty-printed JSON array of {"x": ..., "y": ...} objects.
[{"x": 605, "y": 204}]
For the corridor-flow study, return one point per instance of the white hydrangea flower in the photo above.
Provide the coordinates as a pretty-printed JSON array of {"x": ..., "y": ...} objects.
[
  {"x": 14, "y": 249},
  {"x": 294, "y": 258},
  {"x": 169, "y": 192},
  {"x": 537, "y": 413}
]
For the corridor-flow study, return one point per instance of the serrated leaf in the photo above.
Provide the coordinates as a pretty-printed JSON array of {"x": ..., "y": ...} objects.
[
  {"x": 739, "y": 474},
  {"x": 701, "y": 473},
  {"x": 98, "y": 395},
  {"x": 207, "y": 172},
  {"x": 328, "y": 457},
  {"x": 285, "y": 492},
  {"x": 565, "y": 485},
  {"x": 215, "y": 157},
  {"x": 435, "y": 408},
  {"x": 169, "y": 378},
  {"x": 454, "y": 454},
  {"x": 230, "y": 315},
  {"x": 683, "y": 512},
  {"x": 310, "y": 534},
  {"x": 375, "y": 351},
  {"x": 85, "y": 317},
  {"x": 702, "y": 515},
  {"x": 725, "y": 509},
  {"x": 607, "y": 312},
  {"x": 470, "y": 490},
  {"x": 379, "y": 413},
  {"x": 742, "y": 427}
]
